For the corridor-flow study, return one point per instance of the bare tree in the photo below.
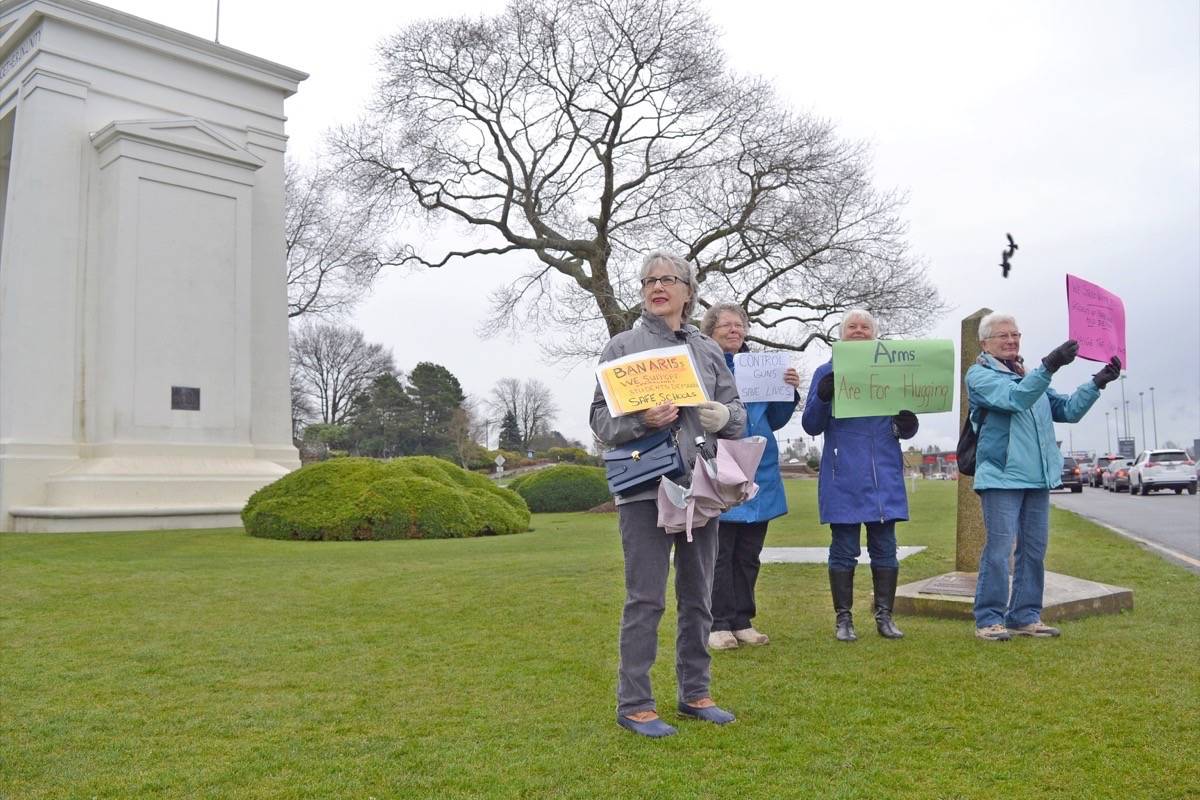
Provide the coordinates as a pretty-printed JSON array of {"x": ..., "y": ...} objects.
[
  {"x": 585, "y": 132},
  {"x": 333, "y": 364},
  {"x": 303, "y": 411},
  {"x": 530, "y": 402},
  {"x": 333, "y": 243}
]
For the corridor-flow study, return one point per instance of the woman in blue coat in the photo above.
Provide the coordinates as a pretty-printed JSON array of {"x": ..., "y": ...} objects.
[
  {"x": 1017, "y": 463},
  {"x": 861, "y": 483},
  {"x": 743, "y": 529}
]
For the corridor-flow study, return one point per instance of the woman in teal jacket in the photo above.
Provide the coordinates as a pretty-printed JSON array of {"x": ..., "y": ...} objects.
[
  {"x": 1017, "y": 463},
  {"x": 743, "y": 529}
]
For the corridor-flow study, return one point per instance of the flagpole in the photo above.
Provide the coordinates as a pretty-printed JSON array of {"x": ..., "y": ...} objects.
[{"x": 217, "y": 37}]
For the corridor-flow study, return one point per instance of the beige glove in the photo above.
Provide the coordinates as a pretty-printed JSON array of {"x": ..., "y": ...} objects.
[{"x": 713, "y": 415}]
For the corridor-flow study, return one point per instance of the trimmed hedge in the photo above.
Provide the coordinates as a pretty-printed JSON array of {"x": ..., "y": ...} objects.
[
  {"x": 565, "y": 487},
  {"x": 421, "y": 497}
]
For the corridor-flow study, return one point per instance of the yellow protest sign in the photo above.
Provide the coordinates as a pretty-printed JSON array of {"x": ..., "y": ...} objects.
[{"x": 644, "y": 380}]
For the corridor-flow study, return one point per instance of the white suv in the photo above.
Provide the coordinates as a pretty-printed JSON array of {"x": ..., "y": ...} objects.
[{"x": 1162, "y": 469}]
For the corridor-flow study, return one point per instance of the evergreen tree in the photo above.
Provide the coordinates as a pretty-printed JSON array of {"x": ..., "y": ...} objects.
[
  {"x": 436, "y": 394},
  {"x": 510, "y": 432}
]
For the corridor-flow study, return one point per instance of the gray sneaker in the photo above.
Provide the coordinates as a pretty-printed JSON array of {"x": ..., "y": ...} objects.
[
  {"x": 722, "y": 640},
  {"x": 993, "y": 633},
  {"x": 751, "y": 636},
  {"x": 1037, "y": 628}
]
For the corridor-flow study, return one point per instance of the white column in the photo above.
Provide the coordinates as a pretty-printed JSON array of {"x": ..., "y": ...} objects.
[
  {"x": 39, "y": 286},
  {"x": 270, "y": 425}
]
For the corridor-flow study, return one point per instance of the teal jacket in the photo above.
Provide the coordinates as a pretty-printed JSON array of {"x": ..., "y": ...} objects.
[{"x": 1016, "y": 447}]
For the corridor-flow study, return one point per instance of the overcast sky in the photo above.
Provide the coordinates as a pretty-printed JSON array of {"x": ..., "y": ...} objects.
[{"x": 1074, "y": 125}]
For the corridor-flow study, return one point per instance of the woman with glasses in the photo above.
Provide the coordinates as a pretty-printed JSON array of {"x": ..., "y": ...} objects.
[
  {"x": 861, "y": 483},
  {"x": 1017, "y": 463},
  {"x": 669, "y": 293},
  {"x": 743, "y": 529}
]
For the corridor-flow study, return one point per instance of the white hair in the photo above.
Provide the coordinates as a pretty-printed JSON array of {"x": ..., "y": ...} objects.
[
  {"x": 682, "y": 268},
  {"x": 709, "y": 323},
  {"x": 860, "y": 314},
  {"x": 988, "y": 323}
]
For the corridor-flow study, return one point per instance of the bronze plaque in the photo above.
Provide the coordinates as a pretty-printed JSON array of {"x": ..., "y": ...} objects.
[
  {"x": 954, "y": 584},
  {"x": 185, "y": 398}
]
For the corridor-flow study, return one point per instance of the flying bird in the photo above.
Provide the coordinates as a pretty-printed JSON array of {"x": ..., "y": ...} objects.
[{"x": 1008, "y": 254}]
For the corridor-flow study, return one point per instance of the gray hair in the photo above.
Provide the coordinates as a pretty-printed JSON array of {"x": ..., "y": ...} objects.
[
  {"x": 988, "y": 323},
  {"x": 858, "y": 313},
  {"x": 709, "y": 323},
  {"x": 682, "y": 268}
]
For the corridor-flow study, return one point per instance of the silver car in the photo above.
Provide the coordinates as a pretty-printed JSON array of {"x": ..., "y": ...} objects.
[{"x": 1162, "y": 469}]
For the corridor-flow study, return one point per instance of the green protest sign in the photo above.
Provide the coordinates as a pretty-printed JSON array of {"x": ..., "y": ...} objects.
[{"x": 883, "y": 377}]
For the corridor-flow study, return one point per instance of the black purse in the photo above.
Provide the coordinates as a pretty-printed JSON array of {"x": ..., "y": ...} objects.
[{"x": 644, "y": 461}]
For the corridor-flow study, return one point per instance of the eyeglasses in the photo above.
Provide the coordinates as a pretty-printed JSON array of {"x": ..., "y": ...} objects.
[
  {"x": 729, "y": 326},
  {"x": 1005, "y": 337},
  {"x": 665, "y": 280}
]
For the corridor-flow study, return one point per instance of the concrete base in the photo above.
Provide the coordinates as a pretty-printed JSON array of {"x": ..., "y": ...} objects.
[
  {"x": 820, "y": 555},
  {"x": 953, "y": 596},
  {"x": 48, "y": 519},
  {"x": 145, "y": 493}
]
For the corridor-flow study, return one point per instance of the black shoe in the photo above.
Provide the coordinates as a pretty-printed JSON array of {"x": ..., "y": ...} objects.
[
  {"x": 884, "y": 579},
  {"x": 841, "y": 585}
]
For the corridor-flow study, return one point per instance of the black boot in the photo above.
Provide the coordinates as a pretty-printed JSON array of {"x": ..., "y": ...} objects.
[
  {"x": 841, "y": 584},
  {"x": 884, "y": 579}
]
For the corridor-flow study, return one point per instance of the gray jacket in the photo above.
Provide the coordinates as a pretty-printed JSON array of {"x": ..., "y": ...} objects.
[{"x": 652, "y": 333}]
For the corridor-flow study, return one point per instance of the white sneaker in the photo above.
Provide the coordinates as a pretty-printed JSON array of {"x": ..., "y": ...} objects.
[
  {"x": 751, "y": 636},
  {"x": 722, "y": 640}
]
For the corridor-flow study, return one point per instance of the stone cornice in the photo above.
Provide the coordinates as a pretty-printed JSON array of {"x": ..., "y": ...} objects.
[{"x": 19, "y": 17}]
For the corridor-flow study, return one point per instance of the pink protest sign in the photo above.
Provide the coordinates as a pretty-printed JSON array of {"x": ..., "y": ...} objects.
[{"x": 1096, "y": 319}]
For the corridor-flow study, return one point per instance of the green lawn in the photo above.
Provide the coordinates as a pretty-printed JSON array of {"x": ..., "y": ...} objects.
[{"x": 210, "y": 664}]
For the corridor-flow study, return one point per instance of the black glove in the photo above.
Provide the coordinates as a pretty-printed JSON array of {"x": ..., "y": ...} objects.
[
  {"x": 1110, "y": 372},
  {"x": 825, "y": 388},
  {"x": 904, "y": 425},
  {"x": 1061, "y": 355}
]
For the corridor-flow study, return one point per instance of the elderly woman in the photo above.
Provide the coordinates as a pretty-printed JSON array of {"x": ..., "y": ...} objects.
[
  {"x": 1017, "y": 463},
  {"x": 668, "y": 297},
  {"x": 861, "y": 483},
  {"x": 744, "y": 528}
]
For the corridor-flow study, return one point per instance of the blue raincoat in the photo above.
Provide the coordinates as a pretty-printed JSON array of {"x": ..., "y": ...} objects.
[
  {"x": 1016, "y": 447},
  {"x": 862, "y": 469},
  {"x": 763, "y": 419}
]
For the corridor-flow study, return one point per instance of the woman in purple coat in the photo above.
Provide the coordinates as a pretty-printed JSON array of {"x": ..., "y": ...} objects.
[{"x": 861, "y": 483}]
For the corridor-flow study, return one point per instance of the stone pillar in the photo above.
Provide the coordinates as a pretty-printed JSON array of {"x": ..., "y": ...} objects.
[{"x": 969, "y": 528}]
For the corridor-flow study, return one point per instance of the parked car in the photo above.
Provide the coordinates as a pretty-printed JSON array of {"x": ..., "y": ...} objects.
[
  {"x": 1116, "y": 475},
  {"x": 1162, "y": 469},
  {"x": 1072, "y": 475},
  {"x": 1096, "y": 474}
]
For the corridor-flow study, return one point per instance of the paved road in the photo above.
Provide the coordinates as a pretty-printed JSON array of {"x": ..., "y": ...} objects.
[{"x": 1164, "y": 519}]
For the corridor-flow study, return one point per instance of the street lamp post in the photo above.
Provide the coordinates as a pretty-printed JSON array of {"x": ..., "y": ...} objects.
[
  {"x": 1117, "y": 424},
  {"x": 1154, "y": 416},
  {"x": 1107, "y": 435},
  {"x": 1142, "y": 405},
  {"x": 1125, "y": 404}
]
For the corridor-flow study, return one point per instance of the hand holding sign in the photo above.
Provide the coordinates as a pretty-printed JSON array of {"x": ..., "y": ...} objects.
[
  {"x": 763, "y": 377},
  {"x": 884, "y": 377},
  {"x": 652, "y": 378},
  {"x": 1096, "y": 319}
]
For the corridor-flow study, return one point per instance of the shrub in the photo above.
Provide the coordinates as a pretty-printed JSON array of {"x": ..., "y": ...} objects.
[
  {"x": 573, "y": 455},
  {"x": 360, "y": 498},
  {"x": 565, "y": 487}
]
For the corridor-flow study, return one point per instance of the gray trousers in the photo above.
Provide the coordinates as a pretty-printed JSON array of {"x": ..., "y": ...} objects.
[{"x": 647, "y": 561}]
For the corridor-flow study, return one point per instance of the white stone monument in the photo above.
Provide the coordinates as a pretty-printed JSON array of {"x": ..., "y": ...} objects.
[{"x": 143, "y": 321}]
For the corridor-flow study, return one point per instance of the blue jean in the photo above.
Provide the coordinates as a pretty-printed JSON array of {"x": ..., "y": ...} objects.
[
  {"x": 1020, "y": 516},
  {"x": 881, "y": 545}
]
